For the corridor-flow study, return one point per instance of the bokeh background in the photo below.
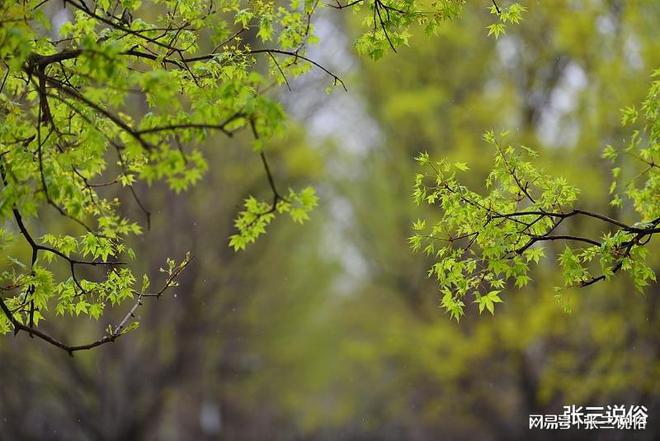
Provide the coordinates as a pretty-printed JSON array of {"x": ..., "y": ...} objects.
[{"x": 330, "y": 330}]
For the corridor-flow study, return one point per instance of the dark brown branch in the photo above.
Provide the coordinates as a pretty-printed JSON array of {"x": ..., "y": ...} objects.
[
  {"x": 575, "y": 212},
  {"x": 114, "y": 118},
  {"x": 348, "y": 5},
  {"x": 43, "y": 60},
  {"x": 295, "y": 55},
  {"x": 286, "y": 80},
  {"x": 221, "y": 127},
  {"x": 119, "y": 26},
  {"x": 377, "y": 4},
  {"x": 618, "y": 266},
  {"x": 566, "y": 237},
  {"x": 116, "y": 332}
]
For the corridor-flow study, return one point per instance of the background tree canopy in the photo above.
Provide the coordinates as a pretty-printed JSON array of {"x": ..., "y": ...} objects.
[{"x": 330, "y": 329}]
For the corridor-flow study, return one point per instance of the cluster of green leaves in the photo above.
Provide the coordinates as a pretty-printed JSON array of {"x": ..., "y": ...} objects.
[
  {"x": 511, "y": 14},
  {"x": 482, "y": 242},
  {"x": 390, "y": 21},
  {"x": 73, "y": 126},
  {"x": 641, "y": 158},
  {"x": 255, "y": 217},
  {"x": 489, "y": 223}
]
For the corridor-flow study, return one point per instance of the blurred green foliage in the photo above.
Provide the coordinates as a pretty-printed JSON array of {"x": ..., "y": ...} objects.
[{"x": 333, "y": 331}]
